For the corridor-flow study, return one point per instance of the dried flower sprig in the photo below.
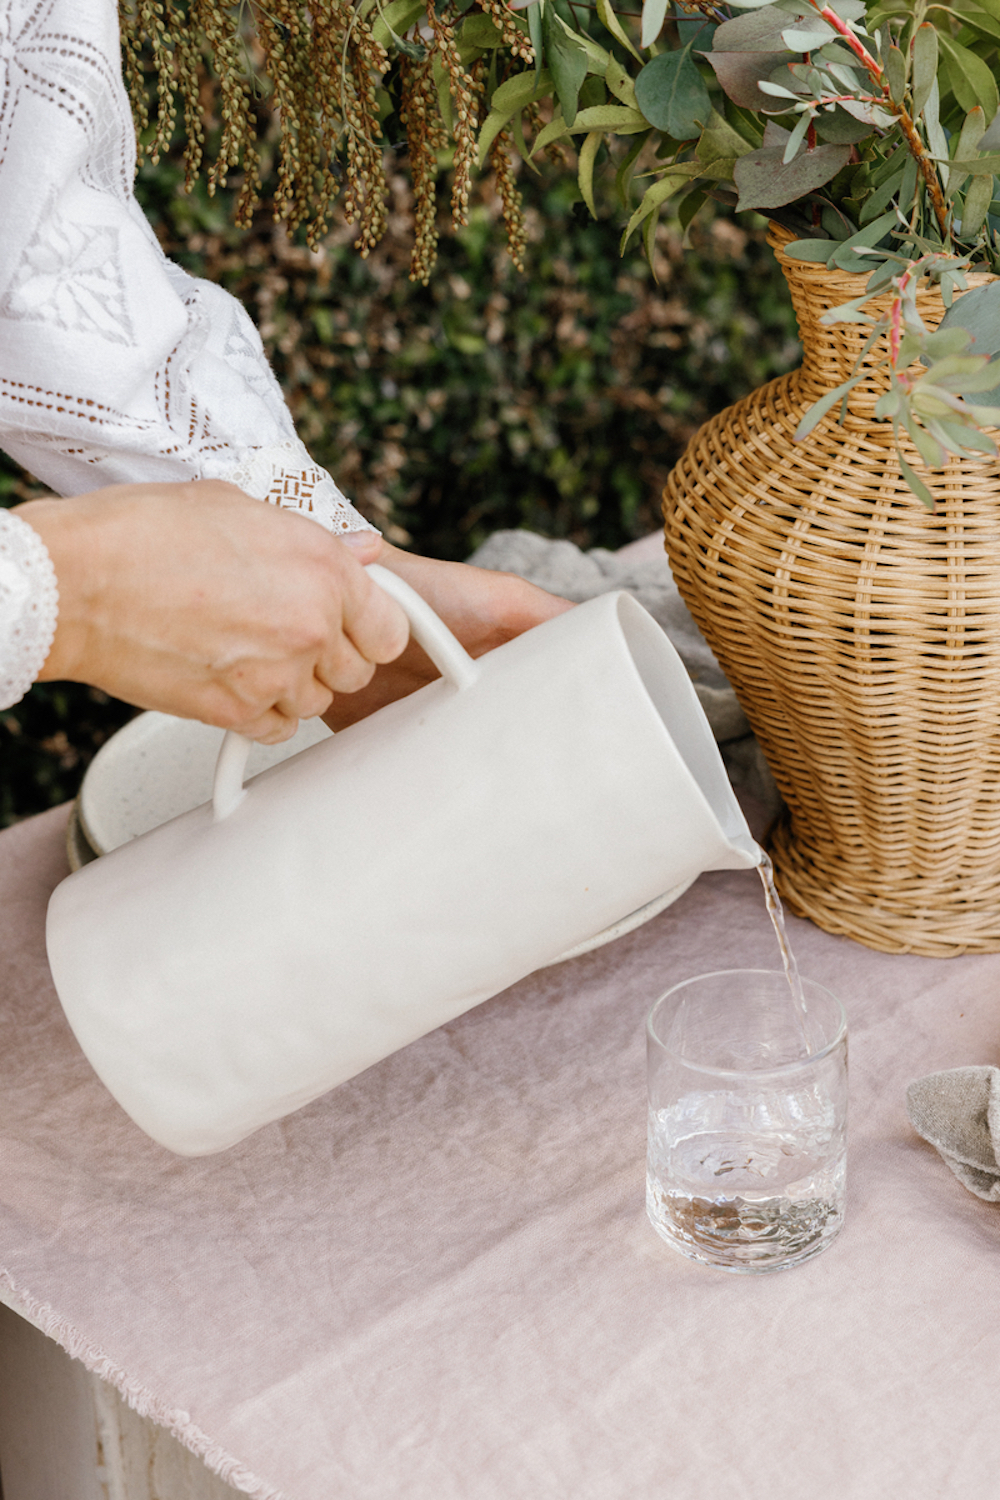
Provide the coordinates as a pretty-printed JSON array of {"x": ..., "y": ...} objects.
[
  {"x": 510, "y": 197},
  {"x": 426, "y": 136},
  {"x": 328, "y": 64}
]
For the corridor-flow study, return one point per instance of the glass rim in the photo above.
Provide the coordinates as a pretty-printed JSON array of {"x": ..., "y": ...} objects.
[{"x": 810, "y": 1060}]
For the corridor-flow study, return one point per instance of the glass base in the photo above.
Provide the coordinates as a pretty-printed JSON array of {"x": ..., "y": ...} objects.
[{"x": 745, "y": 1237}]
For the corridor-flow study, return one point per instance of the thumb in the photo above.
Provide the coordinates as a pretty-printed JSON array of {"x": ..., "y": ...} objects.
[{"x": 364, "y": 546}]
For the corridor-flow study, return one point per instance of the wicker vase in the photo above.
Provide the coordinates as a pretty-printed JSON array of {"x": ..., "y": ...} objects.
[{"x": 862, "y": 636}]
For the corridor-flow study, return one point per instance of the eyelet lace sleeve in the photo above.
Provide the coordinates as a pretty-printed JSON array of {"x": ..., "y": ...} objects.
[
  {"x": 115, "y": 365},
  {"x": 29, "y": 605}
]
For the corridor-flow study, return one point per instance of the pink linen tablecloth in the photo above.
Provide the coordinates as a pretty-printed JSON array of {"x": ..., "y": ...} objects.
[{"x": 438, "y": 1282}]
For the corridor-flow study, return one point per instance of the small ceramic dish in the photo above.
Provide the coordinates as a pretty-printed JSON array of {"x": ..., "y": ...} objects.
[{"x": 158, "y": 767}]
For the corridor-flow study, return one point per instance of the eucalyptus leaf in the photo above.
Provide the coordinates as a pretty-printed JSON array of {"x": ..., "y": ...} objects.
[
  {"x": 585, "y": 169},
  {"x": 811, "y": 250},
  {"x": 971, "y": 79},
  {"x": 479, "y": 31},
  {"x": 807, "y": 81},
  {"x": 975, "y": 166},
  {"x": 849, "y": 10},
  {"x": 976, "y": 206},
  {"x": 840, "y": 128},
  {"x": 819, "y": 409},
  {"x": 936, "y": 138},
  {"x": 908, "y": 185},
  {"x": 991, "y": 139},
  {"x": 880, "y": 278},
  {"x": 567, "y": 61},
  {"x": 836, "y": 224},
  {"x": 608, "y": 19},
  {"x": 795, "y": 140},
  {"x": 534, "y": 18},
  {"x": 758, "y": 31},
  {"x": 807, "y": 38},
  {"x": 416, "y": 50},
  {"x": 396, "y": 17},
  {"x": 848, "y": 78},
  {"x": 626, "y": 167},
  {"x": 513, "y": 95},
  {"x": 890, "y": 165},
  {"x": 651, "y": 200},
  {"x": 978, "y": 312},
  {"x": 597, "y": 56},
  {"x": 928, "y": 447},
  {"x": 944, "y": 341},
  {"x": 895, "y": 72},
  {"x": 649, "y": 242},
  {"x": 889, "y": 404},
  {"x": 928, "y": 403},
  {"x": 983, "y": 382},
  {"x": 846, "y": 258},
  {"x": 555, "y": 130},
  {"x": 519, "y": 90},
  {"x": 740, "y": 74},
  {"x": 777, "y": 90},
  {"x": 654, "y": 13},
  {"x": 966, "y": 368},
  {"x": 979, "y": 20},
  {"x": 876, "y": 204},
  {"x": 689, "y": 206},
  {"x": 765, "y": 182},
  {"x": 720, "y": 143},
  {"x": 671, "y": 93},
  {"x": 972, "y": 132},
  {"x": 619, "y": 119},
  {"x": 620, "y": 83},
  {"x": 869, "y": 114},
  {"x": 979, "y": 442},
  {"x": 603, "y": 117},
  {"x": 916, "y": 485},
  {"x": 696, "y": 32}
]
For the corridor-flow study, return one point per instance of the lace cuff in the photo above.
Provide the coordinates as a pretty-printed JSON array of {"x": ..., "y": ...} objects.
[
  {"x": 29, "y": 607},
  {"x": 285, "y": 475}
]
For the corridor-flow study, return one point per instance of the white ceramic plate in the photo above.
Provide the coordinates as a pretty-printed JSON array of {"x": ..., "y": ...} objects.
[{"x": 158, "y": 767}]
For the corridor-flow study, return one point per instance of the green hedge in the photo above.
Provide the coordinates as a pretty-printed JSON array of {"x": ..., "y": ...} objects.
[{"x": 559, "y": 400}]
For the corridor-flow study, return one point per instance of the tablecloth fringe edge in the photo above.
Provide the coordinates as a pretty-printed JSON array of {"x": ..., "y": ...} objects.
[{"x": 135, "y": 1394}]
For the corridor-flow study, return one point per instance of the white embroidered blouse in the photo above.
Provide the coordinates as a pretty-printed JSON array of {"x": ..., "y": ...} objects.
[{"x": 115, "y": 365}]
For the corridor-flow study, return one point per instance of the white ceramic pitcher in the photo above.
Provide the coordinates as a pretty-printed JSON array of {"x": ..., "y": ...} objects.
[{"x": 237, "y": 962}]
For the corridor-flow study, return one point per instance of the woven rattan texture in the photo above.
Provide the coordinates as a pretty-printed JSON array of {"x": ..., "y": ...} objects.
[{"x": 862, "y": 637}]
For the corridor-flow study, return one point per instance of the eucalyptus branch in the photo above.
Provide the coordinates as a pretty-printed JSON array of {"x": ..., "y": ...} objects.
[{"x": 925, "y": 165}]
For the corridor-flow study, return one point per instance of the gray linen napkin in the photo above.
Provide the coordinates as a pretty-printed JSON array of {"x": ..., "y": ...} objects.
[{"x": 958, "y": 1111}]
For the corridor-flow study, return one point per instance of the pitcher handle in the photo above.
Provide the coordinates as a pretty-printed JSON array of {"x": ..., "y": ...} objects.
[{"x": 428, "y": 630}]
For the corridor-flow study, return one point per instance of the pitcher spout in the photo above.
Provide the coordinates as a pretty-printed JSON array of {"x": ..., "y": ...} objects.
[{"x": 744, "y": 852}]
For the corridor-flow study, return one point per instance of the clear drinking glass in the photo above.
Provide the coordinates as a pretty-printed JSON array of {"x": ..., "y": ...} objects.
[{"x": 747, "y": 1120}]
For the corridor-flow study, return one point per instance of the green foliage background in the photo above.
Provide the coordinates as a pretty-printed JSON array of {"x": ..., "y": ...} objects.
[{"x": 558, "y": 400}]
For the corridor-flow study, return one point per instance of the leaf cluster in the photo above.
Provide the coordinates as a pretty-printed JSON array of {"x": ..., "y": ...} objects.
[{"x": 870, "y": 130}]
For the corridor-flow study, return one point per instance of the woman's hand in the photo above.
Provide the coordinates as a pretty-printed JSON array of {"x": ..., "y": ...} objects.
[
  {"x": 199, "y": 601},
  {"x": 482, "y": 608}
]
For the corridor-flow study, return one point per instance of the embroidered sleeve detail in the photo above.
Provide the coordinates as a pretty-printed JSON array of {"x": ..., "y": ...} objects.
[
  {"x": 285, "y": 475},
  {"x": 29, "y": 607},
  {"x": 117, "y": 366}
]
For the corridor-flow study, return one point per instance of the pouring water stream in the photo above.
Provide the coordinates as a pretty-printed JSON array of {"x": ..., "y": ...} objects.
[{"x": 774, "y": 908}]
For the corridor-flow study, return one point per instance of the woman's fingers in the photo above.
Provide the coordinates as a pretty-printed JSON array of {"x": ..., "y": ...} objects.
[
  {"x": 269, "y": 728},
  {"x": 373, "y": 622},
  {"x": 196, "y": 600}
]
